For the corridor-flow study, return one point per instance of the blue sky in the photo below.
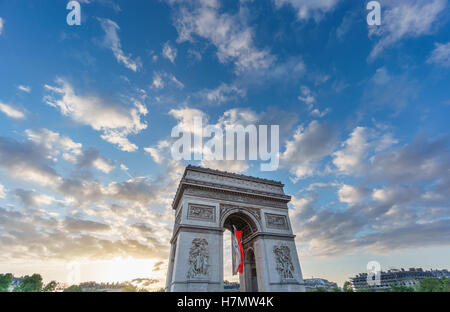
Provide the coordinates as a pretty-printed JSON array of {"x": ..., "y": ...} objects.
[{"x": 86, "y": 114}]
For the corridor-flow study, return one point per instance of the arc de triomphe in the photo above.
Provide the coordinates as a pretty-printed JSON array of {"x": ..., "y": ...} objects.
[{"x": 209, "y": 201}]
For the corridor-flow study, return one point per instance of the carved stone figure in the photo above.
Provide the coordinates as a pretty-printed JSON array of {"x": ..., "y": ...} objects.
[
  {"x": 284, "y": 262},
  {"x": 198, "y": 258}
]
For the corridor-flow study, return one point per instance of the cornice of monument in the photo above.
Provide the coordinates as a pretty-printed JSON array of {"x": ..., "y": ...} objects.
[
  {"x": 232, "y": 175},
  {"x": 231, "y": 189}
]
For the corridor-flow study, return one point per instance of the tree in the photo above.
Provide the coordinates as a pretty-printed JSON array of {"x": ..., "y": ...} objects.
[
  {"x": 348, "y": 287},
  {"x": 335, "y": 289},
  {"x": 50, "y": 287},
  {"x": 401, "y": 288},
  {"x": 73, "y": 288},
  {"x": 31, "y": 283},
  {"x": 445, "y": 284},
  {"x": 5, "y": 281},
  {"x": 429, "y": 284},
  {"x": 130, "y": 288}
]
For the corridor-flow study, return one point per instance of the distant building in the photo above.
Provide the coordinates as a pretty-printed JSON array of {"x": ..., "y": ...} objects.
[
  {"x": 102, "y": 287},
  {"x": 314, "y": 283},
  {"x": 397, "y": 277},
  {"x": 16, "y": 281},
  {"x": 231, "y": 286}
]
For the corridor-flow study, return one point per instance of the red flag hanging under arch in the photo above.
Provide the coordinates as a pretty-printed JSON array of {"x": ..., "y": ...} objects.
[{"x": 238, "y": 252}]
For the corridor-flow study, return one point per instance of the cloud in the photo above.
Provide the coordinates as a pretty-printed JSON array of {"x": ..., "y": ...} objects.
[
  {"x": 2, "y": 191},
  {"x": 387, "y": 90},
  {"x": 403, "y": 191},
  {"x": 307, "y": 96},
  {"x": 309, "y": 99},
  {"x": 309, "y": 8},
  {"x": 161, "y": 79},
  {"x": 27, "y": 161},
  {"x": 11, "y": 112},
  {"x": 422, "y": 159},
  {"x": 78, "y": 225},
  {"x": 161, "y": 152},
  {"x": 308, "y": 146},
  {"x": 229, "y": 33},
  {"x": 55, "y": 144},
  {"x": 440, "y": 55},
  {"x": 30, "y": 236},
  {"x": 350, "y": 194},
  {"x": 92, "y": 158},
  {"x": 2, "y": 23},
  {"x": 112, "y": 41},
  {"x": 116, "y": 122},
  {"x": 395, "y": 227},
  {"x": 30, "y": 198},
  {"x": 169, "y": 52},
  {"x": 23, "y": 88},
  {"x": 405, "y": 19},
  {"x": 350, "y": 159},
  {"x": 222, "y": 94}
]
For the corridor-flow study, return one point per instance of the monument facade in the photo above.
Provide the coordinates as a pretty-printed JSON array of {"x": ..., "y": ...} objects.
[{"x": 207, "y": 203}]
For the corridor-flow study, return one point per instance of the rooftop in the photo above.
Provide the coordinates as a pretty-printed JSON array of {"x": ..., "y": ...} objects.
[
  {"x": 272, "y": 183},
  {"x": 232, "y": 175}
]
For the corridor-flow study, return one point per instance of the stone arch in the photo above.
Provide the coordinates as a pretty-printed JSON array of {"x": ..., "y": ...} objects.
[
  {"x": 250, "y": 277},
  {"x": 240, "y": 217}
]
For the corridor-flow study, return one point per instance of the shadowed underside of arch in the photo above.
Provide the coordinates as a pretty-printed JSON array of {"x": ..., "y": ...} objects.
[{"x": 242, "y": 222}]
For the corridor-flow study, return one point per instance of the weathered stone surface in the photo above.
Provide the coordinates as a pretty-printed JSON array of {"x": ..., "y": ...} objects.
[{"x": 208, "y": 202}]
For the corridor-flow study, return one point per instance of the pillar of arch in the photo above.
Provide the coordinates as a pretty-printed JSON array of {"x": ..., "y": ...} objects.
[{"x": 207, "y": 203}]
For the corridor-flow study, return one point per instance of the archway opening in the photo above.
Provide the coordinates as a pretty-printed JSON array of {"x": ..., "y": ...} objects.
[
  {"x": 248, "y": 280},
  {"x": 250, "y": 273}
]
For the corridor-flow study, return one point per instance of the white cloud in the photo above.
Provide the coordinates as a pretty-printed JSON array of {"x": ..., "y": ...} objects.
[
  {"x": 103, "y": 165},
  {"x": 169, "y": 52},
  {"x": 222, "y": 94},
  {"x": 319, "y": 114},
  {"x": 440, "y": 55},
  {"x": 350, "y": 194},
  {"x": 157, "y": 152},
  {"x": 309, "y": 8},
  {"x": 55, "y": 143},
  {"x": 405, "y": 19},
  {"x": 23, "y": 88},
  {"x": 112, "y": 41},
  {"x": 307, "y": 147},
  {"x": 160, "y": 79},
  {"x": 33, "y": 198},
  {"x": 309, "y": 99},
  {"x": 230, "y": 34},
  {"x": 307, "y": 96},
  {"x": 2, "y": 191},
  {"x": 115, "y": 121},
  {"x": 11, "y": 112},
  {"x": 2, "y": 23},
  {"x": 350, "y": 159},
  {"x": 158, "y": 82}
]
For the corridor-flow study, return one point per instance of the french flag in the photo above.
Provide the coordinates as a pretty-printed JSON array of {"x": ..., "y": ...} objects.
[{"x": 238, "y": 252}]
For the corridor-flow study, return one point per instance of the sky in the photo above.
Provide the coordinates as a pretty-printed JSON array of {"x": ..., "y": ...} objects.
[{"x": 86, "y": 114}]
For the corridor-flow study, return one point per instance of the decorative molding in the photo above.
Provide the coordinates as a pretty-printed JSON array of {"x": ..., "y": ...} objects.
[
  {"x": 177, "y": 221},
  {"x": 276, "y": 221},
  {"x": 201, "y": 212},
  {"x": 225, "y": 208},
  {"x": 226, "y": 179},
  {"x": 283, "y": 261},
  {"x": 241, "y": 198},
  {"x": 198, "y": 259}
]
